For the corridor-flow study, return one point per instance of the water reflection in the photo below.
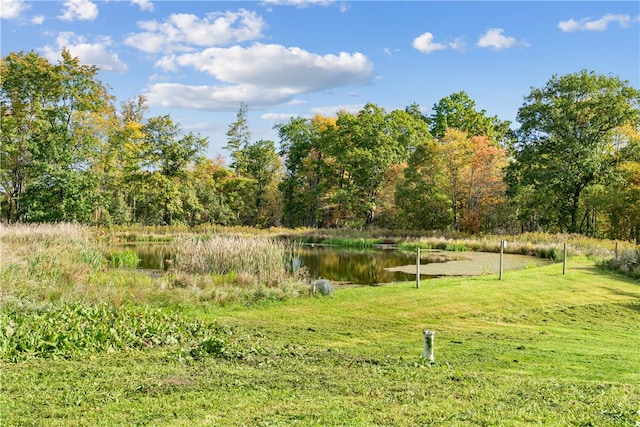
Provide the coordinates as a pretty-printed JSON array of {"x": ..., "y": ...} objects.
[
  {"x": 366, "y": 268},
  {"x": 360, "y": 267},
  {"x": 152, "y": 255}
]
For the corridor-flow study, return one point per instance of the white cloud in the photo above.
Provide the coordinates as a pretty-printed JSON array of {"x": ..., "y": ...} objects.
[
  {"x": 180, "y": 32},
  {"x": 457, "y": 44},
  {"x": 145, "y": 5},
  {"x": 167, "y": 63},
  {"x": 297, "y": 3},
  {"x": 425, "y": 44},
  {"x": 271, "y": 65},
  {"x": 11, "y": 9},
  {"x": 278, "y": 117},
  {"x": 260, "y": 75},
  {"x": 38, "y": 19},
  {"x": 214, "y": 98},
  {"x": 95, "y": 53},
  {"x": 601, "y": 24},
  {"x": 83, "y": 10},
  {"x": 496, "y": 40},
  {"x": 332, "y": 110}
]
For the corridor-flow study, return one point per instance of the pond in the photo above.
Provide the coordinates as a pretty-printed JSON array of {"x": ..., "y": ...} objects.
[
  {"x": 348, "y": 266},
  {"x": 369, "y": 267},
  {"x": 328, "y": 262}
]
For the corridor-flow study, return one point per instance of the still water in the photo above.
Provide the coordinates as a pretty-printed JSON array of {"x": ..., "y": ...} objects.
[{"x": 360, "y": 267}]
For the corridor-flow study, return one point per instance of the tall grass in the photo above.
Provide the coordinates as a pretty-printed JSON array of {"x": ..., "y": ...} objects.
[
  {"x": 261, "y": 259},
  {"x": 44, "y": 259},
  {"x": 62, "y": 298},
  {"x": 627, "y": 263},
  {"x": 542, "y": 245}
]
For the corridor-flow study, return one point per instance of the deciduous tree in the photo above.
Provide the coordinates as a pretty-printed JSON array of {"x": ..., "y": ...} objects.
[{"x": 566, "y": 140}]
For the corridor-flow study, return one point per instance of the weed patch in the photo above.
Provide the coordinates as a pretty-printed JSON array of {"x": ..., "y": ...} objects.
[
  {"x": 70, "y": 330},
  {"x": 124, "y": 259}
]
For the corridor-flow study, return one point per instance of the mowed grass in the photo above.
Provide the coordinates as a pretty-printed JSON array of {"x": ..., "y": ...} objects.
[{"x": 537, "y": 348}]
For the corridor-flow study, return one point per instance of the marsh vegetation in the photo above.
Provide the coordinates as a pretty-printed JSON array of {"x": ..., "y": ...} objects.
[{"x": 85, "y": 341}]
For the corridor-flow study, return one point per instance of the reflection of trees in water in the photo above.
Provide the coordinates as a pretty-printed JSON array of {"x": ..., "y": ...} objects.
[
  {"x": 358, "y": 267},
  {"x": 366, "y": 268},
  {"x": 152, "y": 255}
]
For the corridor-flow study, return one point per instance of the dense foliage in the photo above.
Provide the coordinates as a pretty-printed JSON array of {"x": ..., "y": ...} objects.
[{"x": 69, "y": 154}]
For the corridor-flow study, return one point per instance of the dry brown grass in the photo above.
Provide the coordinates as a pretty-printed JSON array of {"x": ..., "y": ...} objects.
[{"x": 252, "y": 258}]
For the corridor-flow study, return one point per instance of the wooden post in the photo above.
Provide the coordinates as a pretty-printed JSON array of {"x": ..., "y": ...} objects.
[
  {"x": 418, "y": 268},
  {"x": 501, "y": 258},
  {"x": 564, "y": 260},
  {"x": 616, "y": 251}
]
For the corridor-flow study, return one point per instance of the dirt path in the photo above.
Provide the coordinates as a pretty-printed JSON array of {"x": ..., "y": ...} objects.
[{"x": 473, "y": 264}]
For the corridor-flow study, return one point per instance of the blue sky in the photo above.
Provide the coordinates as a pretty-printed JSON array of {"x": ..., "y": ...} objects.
[{"x": 198, "y": 60}]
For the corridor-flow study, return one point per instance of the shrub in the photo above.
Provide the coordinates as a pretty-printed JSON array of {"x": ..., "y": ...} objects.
[{"x": 628, "y": 263}]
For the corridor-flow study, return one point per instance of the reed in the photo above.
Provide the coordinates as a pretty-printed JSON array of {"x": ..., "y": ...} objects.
[{"x": 262, "y": 258}]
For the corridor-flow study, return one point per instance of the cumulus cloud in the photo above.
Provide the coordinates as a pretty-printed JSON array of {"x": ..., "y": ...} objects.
[
  {"x": 271, "y": 65},
  {"x": 494, "y": 39},
  {"x": 261, "y": 75},
  {"x": 425, "y": 44},
  {"x": 182, "y": 31},
  {"x": 214, "y": 97},
  {"x": 586, "y": 24},
  {"x": 145, "y": 5},
  {"x": 89, "y": 53},
  {"x": 38, "y": 19},
  {"x": 11, "y": 9},
  {"x": 83, "y": 10}
]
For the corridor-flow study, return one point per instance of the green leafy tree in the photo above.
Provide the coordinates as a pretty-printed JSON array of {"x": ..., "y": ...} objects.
[
  {"x": 52, "y": 137},
  {"x": 419, "y": 195},
  {"x": 238, "y": 136},
  {"x": 566, "y": 142},
  {"x": 119, "y": 164},
  {"x": 26, "y": 93},
  {"x": 261, "y": 164},
  {"x": 210, "y": 205},
  {"x": 304, "y": 186},
  {"x": 366, "y": 146},
  {"x": 618, "y": 197},
  {"x": 166, "y": 154},
  {"x": 458, "y": 111}
]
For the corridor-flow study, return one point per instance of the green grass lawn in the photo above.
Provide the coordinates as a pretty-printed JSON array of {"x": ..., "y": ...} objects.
[{"x": 537, "y": 348}]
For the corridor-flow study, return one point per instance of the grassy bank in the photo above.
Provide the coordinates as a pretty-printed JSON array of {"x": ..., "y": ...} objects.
[{"x": 538, "y": 347}]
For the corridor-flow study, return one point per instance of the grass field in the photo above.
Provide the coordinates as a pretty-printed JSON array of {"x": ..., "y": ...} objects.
[{"x": 537, "y": 348}]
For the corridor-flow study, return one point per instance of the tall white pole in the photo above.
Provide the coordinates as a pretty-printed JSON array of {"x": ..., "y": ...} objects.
[
  {"x": 418, "y": 268},
  {"x": 501, "y": 258}
]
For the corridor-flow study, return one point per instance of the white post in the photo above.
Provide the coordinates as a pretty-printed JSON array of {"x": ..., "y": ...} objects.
[
  {"x": 429, "y": 338},
  {"x": 501, "y": 258},
  {"x": 418, "y": 268}
]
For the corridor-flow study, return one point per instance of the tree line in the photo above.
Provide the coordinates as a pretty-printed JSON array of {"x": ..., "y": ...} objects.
[{"x": 572, "y": 165}]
